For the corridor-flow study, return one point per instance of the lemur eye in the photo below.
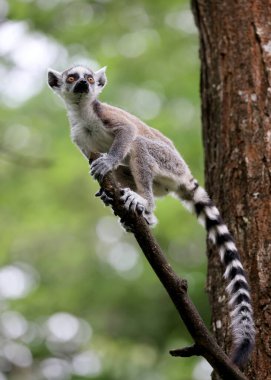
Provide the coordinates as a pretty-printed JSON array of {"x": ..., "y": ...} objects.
[
  {"x": 91, "y": 80},
  {"x": 70, "y": 79}
]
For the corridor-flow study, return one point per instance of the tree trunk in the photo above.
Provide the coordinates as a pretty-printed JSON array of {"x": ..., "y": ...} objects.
[{"x": 235, "y": 52}]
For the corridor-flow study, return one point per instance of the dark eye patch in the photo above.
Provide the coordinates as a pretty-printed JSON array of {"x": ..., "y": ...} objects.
[
  {"x": 74, "y": 75},
  {"x": 89, "y": 78}
]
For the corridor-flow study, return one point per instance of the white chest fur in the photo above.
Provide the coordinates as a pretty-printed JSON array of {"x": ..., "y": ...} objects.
[{"x": 88, "y": 131}]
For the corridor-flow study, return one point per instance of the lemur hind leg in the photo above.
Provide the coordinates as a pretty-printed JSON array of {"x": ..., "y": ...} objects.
[
  {"x": 141, "y": 200},
  {"x": 125, "y": 179}
]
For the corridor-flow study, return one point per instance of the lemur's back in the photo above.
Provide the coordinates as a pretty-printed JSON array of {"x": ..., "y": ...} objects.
[{"x": 111, "y": 115}]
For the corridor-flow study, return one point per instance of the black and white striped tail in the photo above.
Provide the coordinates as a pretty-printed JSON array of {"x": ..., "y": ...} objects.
[{"x": 242, "y": 323}]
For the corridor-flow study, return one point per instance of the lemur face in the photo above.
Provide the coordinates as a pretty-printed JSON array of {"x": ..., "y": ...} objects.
[{"x": 77, "y": 81}]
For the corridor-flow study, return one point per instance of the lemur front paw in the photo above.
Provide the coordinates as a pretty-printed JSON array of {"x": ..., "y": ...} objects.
[
  {"x": 100, "y": 167},
  {"x": 105, "y": 197},
  {"x": 137, "y": 204}
]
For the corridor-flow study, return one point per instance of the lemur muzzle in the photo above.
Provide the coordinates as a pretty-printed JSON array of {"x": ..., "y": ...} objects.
[{"x": 81, "y": 87}]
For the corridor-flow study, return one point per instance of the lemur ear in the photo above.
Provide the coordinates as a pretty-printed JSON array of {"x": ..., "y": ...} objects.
[
  {"x": 54, "y": 79},
  {"x": 101, "y": 77}
]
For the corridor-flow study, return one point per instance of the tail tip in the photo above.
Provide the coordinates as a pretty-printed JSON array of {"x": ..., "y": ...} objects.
[{"x": 241, "y": 353}]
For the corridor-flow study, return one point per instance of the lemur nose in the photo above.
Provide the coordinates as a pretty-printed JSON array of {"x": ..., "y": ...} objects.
[{"x": 81, "y": 86}]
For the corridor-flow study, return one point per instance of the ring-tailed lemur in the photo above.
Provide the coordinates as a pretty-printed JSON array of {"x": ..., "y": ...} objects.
[{"x": 147, "y": 164}]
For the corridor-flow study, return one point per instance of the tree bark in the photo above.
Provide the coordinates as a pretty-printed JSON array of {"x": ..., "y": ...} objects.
[{"x": 235, "y": 53}]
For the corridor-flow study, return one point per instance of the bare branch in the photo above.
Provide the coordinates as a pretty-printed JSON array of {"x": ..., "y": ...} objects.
[
  {"x": 187, "y": 352},
  {"x": 176, "y": 288}
]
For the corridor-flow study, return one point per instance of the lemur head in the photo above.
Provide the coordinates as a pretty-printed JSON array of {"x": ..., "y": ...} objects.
[{"x": 77, "y": 82}]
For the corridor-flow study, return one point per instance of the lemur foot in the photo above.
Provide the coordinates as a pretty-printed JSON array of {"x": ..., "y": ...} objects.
[
  {"x": 107, "y": 200},
  {"x": 132, "y": 201},
  {"x": 137, "y": 204}
]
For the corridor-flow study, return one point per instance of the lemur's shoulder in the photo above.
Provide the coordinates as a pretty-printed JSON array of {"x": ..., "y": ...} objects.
[{"x": 113, "y": 117}]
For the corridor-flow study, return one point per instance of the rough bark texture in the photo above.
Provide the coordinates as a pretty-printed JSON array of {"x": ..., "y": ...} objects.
[{"x": 235, "y": 52}]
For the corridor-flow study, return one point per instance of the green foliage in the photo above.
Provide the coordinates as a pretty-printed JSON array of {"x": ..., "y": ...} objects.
[{"x": 53, "y": 229}]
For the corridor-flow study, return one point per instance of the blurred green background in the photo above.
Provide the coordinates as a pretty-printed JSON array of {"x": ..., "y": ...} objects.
[{"x": 77, "y": 298}]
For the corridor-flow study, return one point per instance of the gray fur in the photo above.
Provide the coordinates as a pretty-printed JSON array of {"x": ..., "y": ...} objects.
[{"x": 146, "y": 164}]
